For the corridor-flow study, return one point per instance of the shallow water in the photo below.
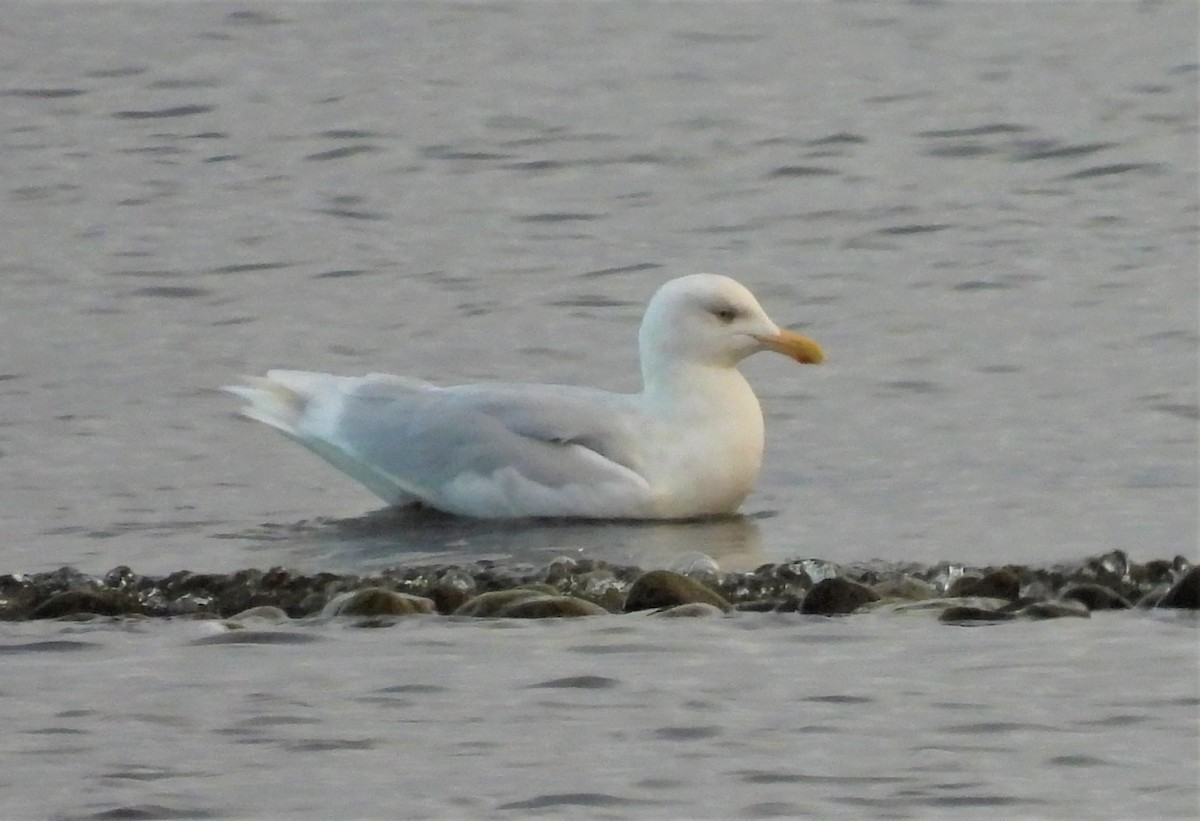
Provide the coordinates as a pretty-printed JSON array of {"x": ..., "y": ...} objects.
[
  {"x": 987, "y": 217},
  {"x": 987, "y": 220},
  {"x": 754, "y": 716}
]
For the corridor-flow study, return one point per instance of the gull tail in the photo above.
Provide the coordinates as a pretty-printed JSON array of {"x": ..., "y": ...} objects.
[
  {"x": 272, "y": 403},
  {"x": 305, "y": 407},
  {"x": 285, "y": 399}
]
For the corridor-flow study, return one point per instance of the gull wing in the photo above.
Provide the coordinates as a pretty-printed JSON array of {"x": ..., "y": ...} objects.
[{"x": 480, "y": 450}]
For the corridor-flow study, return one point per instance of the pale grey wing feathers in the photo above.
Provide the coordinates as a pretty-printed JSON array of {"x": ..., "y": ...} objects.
[
  {"x": 429, "y": 439},
  {"x": 605, "y": 423}
]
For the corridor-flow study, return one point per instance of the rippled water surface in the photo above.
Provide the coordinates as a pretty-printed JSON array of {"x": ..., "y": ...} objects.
[
  {"x": 986, "y": 212},
  {"x": 748, "y": 717}
]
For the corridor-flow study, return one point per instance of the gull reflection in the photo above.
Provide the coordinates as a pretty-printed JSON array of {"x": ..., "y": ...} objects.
[{"x": 392, "y": 537}]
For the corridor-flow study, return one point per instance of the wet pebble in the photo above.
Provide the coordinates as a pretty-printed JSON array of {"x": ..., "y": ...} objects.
[
  {"x": 1053, "y": 610},
  {"x": 601, "y": 586},
  {"x": 693, "y": 610},
  {"x": 550, "y": 607},
  {"x": 967, "y": 614},
  {"x": 757, "y": 606},
  {"x": 262, "y": 613},
  {"x": 1185, "y": 592},
  {"x": 904, "y": 588},
  {"x": 78, "y": 602},
  {"x": 657, "y": 589},
  {"x": 963, "y": 614},
  {"x": 1154, "y": 572},
  {"x": 1095, "y": 597},
  {"x": 489, "y": 605},
  {"x": 376, "y": 601},
  {"x": 447, "y": 599},
  {"x": 581, "y": 585},
  {"x": 836, "y": 596},
  {"x": 997, "y": 584}
]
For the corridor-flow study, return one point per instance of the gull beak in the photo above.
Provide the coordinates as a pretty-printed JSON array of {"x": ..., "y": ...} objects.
[{"x": 798, "y": 347}]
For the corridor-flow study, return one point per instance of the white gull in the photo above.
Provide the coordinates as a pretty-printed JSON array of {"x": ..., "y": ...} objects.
[{"x": 689, "y": 445}]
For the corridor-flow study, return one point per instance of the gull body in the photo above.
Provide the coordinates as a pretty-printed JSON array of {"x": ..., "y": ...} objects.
[{"x": 689, "y": 445}]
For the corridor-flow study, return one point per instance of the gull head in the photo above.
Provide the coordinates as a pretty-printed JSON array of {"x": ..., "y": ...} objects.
[{"x": 713, "y": 320}]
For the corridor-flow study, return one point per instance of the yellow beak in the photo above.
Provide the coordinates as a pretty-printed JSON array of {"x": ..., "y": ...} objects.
[{"x": 798, "y": 347}]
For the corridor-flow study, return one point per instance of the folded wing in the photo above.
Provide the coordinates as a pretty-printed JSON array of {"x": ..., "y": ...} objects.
[{"x": 478, "y": 450}]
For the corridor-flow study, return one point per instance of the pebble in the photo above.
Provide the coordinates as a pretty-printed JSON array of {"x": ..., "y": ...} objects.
[
  {"x": 446, "y": 599},
  {"x": 969, "y": 614},
  {"x": 1053, "y": 610},
  {"x": 490, "y": 604},
  {"x": 836, "y": 596},
  {"x": 376, "y": 601},
  {"x": 941, "y": 604},
  {"x": 572, "y": 585},
  {"x": 904, "y": 588},
  {"x": 550, "y": 607},
  {"x": 1095, "y": 597},
  {"x": 262, "y": 613},
  {"x": 997, "y": 584},
  {"x": 81, "y": 602},
  {"x": 1185, "y": 592},
  {"x": 962, "y": 614},
  {"x": 657, "y": 589},
  {"x": 696, "y": 609}
]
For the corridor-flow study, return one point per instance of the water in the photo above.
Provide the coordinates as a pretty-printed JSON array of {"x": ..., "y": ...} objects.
[
  {"x": 621, "y": 717},
  {"x": 985, "y": 212}
]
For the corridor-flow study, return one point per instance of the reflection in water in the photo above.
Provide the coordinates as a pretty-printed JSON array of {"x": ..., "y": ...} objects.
[{"x": 391, "y": 537}]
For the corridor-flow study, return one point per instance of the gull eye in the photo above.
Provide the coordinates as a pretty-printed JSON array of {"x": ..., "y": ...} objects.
[{"x": 725, "y": 313}]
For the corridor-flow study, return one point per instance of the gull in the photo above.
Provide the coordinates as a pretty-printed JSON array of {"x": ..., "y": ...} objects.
[{"x": 689, "y": 445}]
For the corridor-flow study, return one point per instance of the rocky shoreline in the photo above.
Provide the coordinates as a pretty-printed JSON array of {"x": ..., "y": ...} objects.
[{"x": 585, "y": 587}]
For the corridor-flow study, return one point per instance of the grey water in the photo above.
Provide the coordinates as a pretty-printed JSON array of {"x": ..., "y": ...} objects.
[
  {"x": 621, "y": 717},
  {"x": 986, "y": 212}
]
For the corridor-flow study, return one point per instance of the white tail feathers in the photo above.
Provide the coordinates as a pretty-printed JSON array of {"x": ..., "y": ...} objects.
[
  {"x": 271, "y": 402},
  {"x": 306, "y": 407}
]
